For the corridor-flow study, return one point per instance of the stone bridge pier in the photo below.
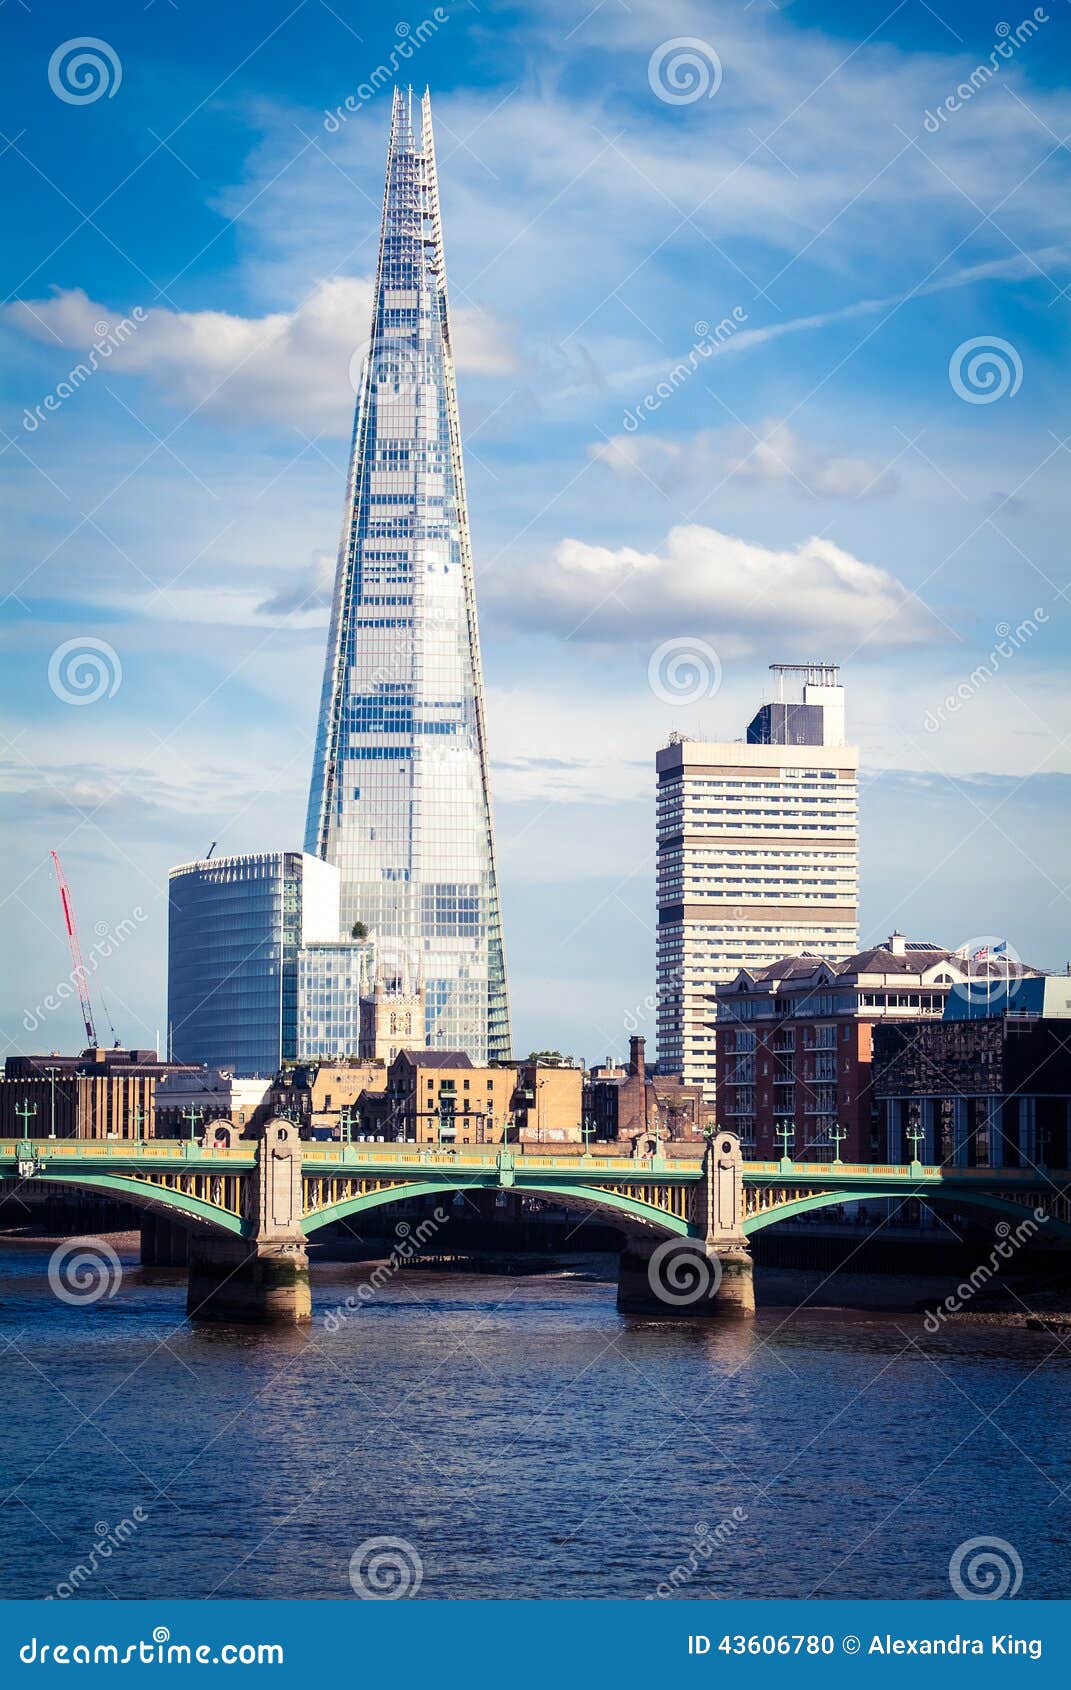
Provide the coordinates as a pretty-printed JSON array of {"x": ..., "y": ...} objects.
[
  {"x": 709, "y": 1275},
  {"x": 263, "y": 1277}
]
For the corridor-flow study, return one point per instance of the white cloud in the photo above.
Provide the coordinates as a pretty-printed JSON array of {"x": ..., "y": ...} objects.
[
  {"x": 289, "y": 367},
  {"x": 774, "y": 455},
  {"x": 308, "y": 592},
  {"x": 712, "y": 583}
]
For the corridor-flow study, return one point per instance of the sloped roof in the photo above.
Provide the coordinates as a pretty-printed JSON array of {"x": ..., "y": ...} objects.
[
  {"x": 437, "y": 1058},
  {"x": 879, "y": 959}
]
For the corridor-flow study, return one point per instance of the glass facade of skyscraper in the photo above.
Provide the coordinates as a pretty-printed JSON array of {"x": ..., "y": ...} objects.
[
  {"x": 235, "y": 930},
  {"x": 399, "y": 798},
  {"x": 329, "y": 980}
]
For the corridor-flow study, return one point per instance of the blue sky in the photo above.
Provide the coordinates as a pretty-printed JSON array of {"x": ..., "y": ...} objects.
[{"x": 836, "y": 481}]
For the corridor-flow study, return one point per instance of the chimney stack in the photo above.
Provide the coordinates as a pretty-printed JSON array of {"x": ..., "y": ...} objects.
[{"x": 637, "y": 1065}]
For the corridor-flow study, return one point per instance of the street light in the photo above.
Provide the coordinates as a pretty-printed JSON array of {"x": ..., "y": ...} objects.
[
  {"x": 52, "y": 1072},
  {"x": 27, "y": 1111},
  {"x": 835, "y": 1136}
]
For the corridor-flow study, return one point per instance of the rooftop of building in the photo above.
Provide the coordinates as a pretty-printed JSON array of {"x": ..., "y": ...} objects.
[
  {"x": 435, "y": 1058},
  {"x": 896, "y": 955},
  {"x": 94, "y": 1058}
]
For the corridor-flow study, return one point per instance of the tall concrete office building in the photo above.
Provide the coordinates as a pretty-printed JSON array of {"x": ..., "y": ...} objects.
[
  {"x": 757, "y": 847},
  {"x": 399, "y": 798}
]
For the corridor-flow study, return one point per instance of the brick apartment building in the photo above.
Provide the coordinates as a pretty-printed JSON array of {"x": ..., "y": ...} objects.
[
  {"x": 795, "y": 1045},
  {"x": 438, "y": 1097}
]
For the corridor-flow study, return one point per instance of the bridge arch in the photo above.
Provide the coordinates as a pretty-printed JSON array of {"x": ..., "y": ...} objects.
[
  {"x": 958, "y": 1196},
  {"x": 612, "y": 1203},
  {"x": 154, "y": 1199}
]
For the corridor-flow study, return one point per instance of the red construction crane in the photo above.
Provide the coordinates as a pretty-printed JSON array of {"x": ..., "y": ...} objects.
[{"x": 80, "y": 978}]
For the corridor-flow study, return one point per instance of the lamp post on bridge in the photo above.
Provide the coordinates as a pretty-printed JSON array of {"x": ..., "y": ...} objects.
[
  {"x": 27, "y": 1111},
  {"x": 345, "y": 1122},
  {"x": 52, "y": 1072},
  {"x": 787, "y": 1135},
  {"x": 587, "y": 1129},
  {"x": 835, "y": 1136},
  {"x": 29, "y": 1163},
  {"x": 137, "y": 1117},
  {"x": 917, "y": 1137},
  {"x": 193, "y": 1115}
]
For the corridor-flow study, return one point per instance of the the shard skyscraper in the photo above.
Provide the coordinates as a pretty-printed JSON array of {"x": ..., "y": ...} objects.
[{"x": 400, "y": 798}]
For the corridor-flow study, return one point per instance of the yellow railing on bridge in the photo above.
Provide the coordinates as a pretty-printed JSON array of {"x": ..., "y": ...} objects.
[{"x": 160, "y": 1149}]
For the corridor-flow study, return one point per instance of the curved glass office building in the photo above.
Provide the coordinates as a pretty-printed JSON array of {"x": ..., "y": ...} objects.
[{"x": 235, "y": 931}]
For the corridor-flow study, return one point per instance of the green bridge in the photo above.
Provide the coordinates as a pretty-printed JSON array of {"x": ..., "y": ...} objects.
[{"x": 251, "y": 1206}]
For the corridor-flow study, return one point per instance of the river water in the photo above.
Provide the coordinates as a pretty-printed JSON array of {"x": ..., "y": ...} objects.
[{"x": 521, "y": 1439}]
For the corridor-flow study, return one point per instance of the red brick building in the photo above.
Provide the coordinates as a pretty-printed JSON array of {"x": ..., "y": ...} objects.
[
  {"x": 794, "y": 1045},
  {"x": 635, "y": 1107}
]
